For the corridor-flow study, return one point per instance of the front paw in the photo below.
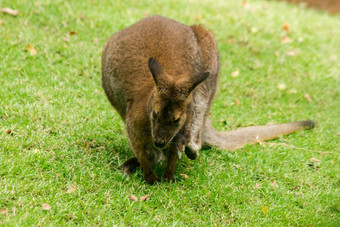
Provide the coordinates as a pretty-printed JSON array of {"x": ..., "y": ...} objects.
[
  {"x": 169, "y": 177},
  {"x": 151, "y": 179},
  {"x": 181, "y": 140}
]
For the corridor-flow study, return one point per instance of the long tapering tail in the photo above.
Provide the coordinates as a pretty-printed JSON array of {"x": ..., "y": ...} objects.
[{"x": 232, "y": 140}]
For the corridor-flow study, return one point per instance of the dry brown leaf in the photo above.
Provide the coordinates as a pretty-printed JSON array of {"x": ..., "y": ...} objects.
[
  {"x": 46, "y": 206},
  {"x": 86, "y": 144},
  {"x": 291, "y": 53},
  {"x": 4, "y": 212},
  {"x": 9, "y": 131},
  {"x": 9, "y": 11},
  {"x": 237, "y": 166},
  {"x": 314, "y": 160},
  {"x": 184, "y": 175},
  {"x": 36, "y": 151},
  {"x": 31, "y": 49},
  {"x": 254, "y": 30},
  {"x": 82, "y": 16},
  {"x": 281, "y": 86},
  {"x": 274, "y": 184},
  {"x": 144, "y": 198},
  {"x": 133, "y": 198},
  {"x": 95, "y": 40},
  {"x": 298, "y": 193},
  {"x": 236, "y": 73},
  {"x": 292, "y": 91},
  {"x": 264, "y": 209},
  {"x": 258, "y": 185},
  {"x": 73, "y": 33},
  {"x": 308, "y": 97},
  {"x": 245, "y": 5},
  {"x": 286, "y": 27},
  {"x": 285, "y": 39},
  {"x": 332, "y": 57},
  {"x": 237, "y": 101},
  {"x": 198, "y": 17},
  {"x": 71, "y": 189}
]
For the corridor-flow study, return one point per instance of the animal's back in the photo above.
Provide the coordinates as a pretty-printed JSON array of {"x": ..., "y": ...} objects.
[
  {"x": 175, "y": 115},
  {"x": 124, "y": 61}
]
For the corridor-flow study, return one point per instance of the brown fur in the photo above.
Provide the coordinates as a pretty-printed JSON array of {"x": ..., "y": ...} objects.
[{"x": 161, "y": 77}]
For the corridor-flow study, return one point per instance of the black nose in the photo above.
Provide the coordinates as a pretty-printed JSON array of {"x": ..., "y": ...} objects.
[{"x": 160, "y": 144}]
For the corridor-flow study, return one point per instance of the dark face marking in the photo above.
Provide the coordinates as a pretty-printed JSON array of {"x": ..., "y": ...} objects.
[{"x": 167, "y": 118}]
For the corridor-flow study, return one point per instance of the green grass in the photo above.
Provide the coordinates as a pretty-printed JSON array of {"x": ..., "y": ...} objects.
[{"x": 53, "y": 104}]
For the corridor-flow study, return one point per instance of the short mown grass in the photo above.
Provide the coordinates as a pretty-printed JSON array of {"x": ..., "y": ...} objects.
[{"x": 58, "y": 130}]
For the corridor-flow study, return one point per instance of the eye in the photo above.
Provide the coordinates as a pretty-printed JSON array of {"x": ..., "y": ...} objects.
[{"x": 154, "y": 115}]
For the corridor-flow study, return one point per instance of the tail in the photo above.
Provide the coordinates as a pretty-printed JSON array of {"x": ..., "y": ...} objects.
[{"x": 232, "y": 140}]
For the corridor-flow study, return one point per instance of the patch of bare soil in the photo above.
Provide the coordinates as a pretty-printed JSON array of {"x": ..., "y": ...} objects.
[{"x": 332, "y": 6}]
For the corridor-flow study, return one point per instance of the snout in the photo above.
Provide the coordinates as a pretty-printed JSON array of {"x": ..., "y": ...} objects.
[{"x": 161, "y": 137}]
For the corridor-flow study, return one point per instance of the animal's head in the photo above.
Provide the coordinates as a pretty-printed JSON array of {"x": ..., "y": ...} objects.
[{"x": 170, "y": 102}]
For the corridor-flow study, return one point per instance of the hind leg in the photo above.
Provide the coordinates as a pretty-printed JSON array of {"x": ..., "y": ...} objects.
[
  {"x": 202, "y": 99},
  {"x": 140, "y": 146}
]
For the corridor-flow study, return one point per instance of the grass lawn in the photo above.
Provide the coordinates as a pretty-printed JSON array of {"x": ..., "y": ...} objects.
[{"x": 61, "y": 142}]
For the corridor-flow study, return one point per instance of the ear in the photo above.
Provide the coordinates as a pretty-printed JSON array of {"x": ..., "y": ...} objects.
[
  {"x": 156, "y": 69},
  {"x": 198, "y": 79}
]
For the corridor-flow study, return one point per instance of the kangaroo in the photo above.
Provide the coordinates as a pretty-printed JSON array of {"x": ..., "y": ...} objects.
[{"x": 161, "y": 77}]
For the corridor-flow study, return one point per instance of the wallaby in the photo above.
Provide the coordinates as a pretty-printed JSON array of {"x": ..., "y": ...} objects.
[{"x": 161, "y": 77}]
